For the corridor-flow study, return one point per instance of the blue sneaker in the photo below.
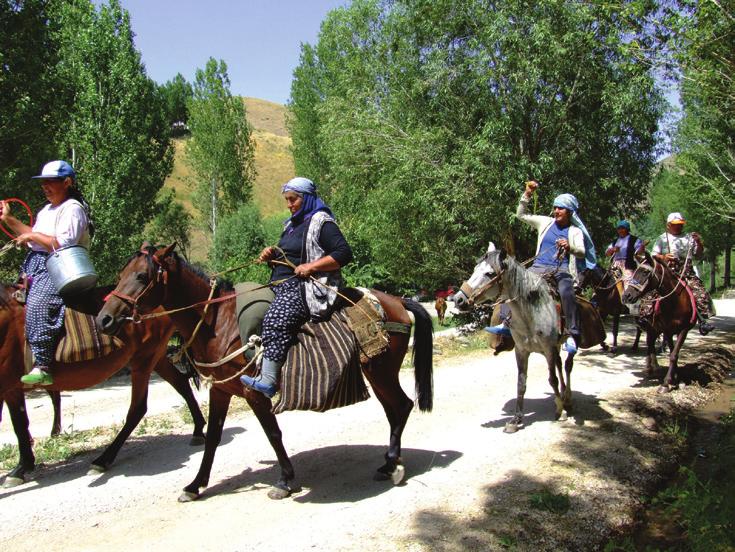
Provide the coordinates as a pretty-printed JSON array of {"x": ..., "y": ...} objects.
[
  {"x": 267, "y": 390},
  {"x": 570, "y": 346},
  {"x": 500, "y": 329}
]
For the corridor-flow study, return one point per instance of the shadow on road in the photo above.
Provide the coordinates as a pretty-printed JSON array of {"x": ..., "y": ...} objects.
[{"x": 341, "y": 473}]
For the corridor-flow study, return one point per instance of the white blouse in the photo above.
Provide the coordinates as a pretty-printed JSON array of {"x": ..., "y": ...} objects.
[{"x": 67, "y": 222}]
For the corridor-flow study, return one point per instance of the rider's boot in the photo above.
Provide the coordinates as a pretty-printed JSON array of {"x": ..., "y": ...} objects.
[
  {"x": 267, "y": 381},
  {"x": 502, "y": 329},
  {"x": 570, "y": 345},
  {"x": 705, "y": 326}
]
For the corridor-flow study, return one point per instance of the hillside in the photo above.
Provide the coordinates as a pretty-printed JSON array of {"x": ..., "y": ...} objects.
[{"x": 273, "y": 161}]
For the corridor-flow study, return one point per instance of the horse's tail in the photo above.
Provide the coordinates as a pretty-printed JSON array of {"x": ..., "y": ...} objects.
[{"x": 423, "y": 349}]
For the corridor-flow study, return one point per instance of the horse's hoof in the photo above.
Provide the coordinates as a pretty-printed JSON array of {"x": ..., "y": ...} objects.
[
  {"x": 381, "y": 476},
  {"x": 563, "y": 417},
  {"x": 11, "y": 482},
  {"x": 663, "y": 389},
  {"x": 96, "y": 469},
  {"x": 187, "y": 496},
  {"x": 196, "y": 441},
  {"x": 613, "y": 350},
  {"x": 512, "y": 427},
  {"x": 279, "y": 493},
  {"x": 398, "y": 475}
]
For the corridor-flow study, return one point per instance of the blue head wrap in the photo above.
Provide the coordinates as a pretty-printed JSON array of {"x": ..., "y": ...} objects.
[
  {"x": 311, "y": 202},
  {"x": 569, "y": 202},
  {"x": 623, "y": 224}
]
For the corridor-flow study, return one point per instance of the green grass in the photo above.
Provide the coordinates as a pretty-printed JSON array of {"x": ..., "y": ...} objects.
[{"x": 550, "y": 502}]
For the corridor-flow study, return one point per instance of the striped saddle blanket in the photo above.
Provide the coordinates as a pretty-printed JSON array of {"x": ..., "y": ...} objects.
[
  {"x": 83, "y": 340},
  {"x": 322, "y": 370}
]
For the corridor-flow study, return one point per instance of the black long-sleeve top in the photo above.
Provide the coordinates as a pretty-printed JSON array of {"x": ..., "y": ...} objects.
[{"x": 331, "y": 240}]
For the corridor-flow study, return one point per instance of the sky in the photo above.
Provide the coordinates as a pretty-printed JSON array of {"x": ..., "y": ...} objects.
[{"x": 260, "y": 40}]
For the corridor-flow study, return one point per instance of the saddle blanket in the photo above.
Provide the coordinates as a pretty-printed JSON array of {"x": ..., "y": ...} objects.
[{"x": 322, "y": 370}]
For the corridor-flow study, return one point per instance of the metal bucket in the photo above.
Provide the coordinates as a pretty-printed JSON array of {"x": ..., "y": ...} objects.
[{"x": 70, "y": 270}]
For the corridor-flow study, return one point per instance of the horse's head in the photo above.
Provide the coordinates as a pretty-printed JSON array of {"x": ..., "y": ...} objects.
[
  {"x": 647, "y": 276},
  {"x": 484, "y": 284},
  {"x": 140, "y": 289}
]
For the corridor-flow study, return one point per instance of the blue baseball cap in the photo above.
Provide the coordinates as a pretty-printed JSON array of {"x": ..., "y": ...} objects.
[
  {"x": 623, "y": 224},
  {"x": 56, "y": 170}
]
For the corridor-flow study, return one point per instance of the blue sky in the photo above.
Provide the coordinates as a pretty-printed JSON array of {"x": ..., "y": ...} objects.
[{"x": 258, "y": 39}]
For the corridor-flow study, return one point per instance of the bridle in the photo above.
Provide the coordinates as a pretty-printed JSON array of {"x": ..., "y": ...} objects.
[
  {"x": 473, "y": 294},
  {"x": 652, "y": 272},
  {"x": 132, "y": 301}
]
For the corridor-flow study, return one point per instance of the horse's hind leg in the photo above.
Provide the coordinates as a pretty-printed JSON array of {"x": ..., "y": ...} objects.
[
  {"x": 56, "y": 402},
  {"x": 219, "y": 404},
  {"x": 651, "y": 361},
  {"x": 397, "y": 407},
  {"x": 553, "y": 362},
  {"x": 19, "y": 416},
  {"x": 671, "y": 377},
  {"x": 136, "y": 411},
  {"x": 179, "y": 381},
  {"x": 615, "y": 328}
]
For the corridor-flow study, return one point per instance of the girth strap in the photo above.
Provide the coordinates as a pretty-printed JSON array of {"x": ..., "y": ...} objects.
[{"x": 397, "y": 327}]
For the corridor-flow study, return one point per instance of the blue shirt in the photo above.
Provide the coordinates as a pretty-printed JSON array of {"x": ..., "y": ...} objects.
[{"x": 547, "y": 251}]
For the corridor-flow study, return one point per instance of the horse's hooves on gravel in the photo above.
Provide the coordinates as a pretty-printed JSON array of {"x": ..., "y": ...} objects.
[
  {"x": 663, "y": 389},
  {"x": 279, "y": 493},
  {"x": 11, "y": 482},
  {"x": 563, "y": 417},
  {"x": 512, "y": 427},
  {"x": 196, "y": 441},
  {"x": 96, "y": 469},
  {"x": 398, "y": 475},
  {"x": 187, "y": 496}
]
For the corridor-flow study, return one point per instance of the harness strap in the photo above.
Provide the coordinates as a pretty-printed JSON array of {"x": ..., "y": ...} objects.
[{"x": 397, "y": 327}]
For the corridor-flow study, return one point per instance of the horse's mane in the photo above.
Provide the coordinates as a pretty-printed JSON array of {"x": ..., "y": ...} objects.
[
  {"x": 517, "y": 281},
  {"x": 223, "y": 285},
  {"x": 4, "y": 296}
]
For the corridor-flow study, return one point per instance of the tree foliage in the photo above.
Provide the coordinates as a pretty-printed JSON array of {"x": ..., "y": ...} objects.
[
  {"x": 172, "y": 223},
  {"x": 176, "y": 94},
  {"x": 114, "y": 132},
  {"x": 421, "y": 119},
  {"x": 241, "y": 237},
  {"x": 221, "y": 150}
]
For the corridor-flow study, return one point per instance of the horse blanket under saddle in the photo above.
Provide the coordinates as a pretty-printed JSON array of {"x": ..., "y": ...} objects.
[
  {"x": 82, "y": 340},
  {"x": 322, "y": 370}
]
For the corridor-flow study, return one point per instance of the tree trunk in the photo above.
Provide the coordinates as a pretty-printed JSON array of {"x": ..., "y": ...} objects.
[
  {"x": 728, "y": 255},
  {"x": 712, "y": 275}
]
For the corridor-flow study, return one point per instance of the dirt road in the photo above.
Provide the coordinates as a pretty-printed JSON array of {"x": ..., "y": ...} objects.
[{"x": 551, "y": 486}]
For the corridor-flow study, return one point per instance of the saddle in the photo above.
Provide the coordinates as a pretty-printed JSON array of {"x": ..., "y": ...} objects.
[
  {"x": 81, "y": 341},
  {"x": 323, "y": 368}
]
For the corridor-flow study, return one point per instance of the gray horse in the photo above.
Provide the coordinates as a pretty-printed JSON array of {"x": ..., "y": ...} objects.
[{"x": 535, "y": 322}]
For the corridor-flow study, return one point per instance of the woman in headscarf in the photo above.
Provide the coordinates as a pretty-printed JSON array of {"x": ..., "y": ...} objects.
[
  {"x": 314, "y": 244},
  {"x": 63, "y": 221},
  {"x": 564, "y": 249}
]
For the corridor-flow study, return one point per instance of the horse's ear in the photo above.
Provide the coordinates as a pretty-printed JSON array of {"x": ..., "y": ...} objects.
[
  {"x": 490, "y": 247},
  {"x": 167, "y": 251},
  {"x": 502, "y": 256},
  {"x": 144, "y": 247}
]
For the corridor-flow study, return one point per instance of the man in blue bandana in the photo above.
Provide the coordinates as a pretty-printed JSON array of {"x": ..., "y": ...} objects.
[{"x": 564, "y": 250}]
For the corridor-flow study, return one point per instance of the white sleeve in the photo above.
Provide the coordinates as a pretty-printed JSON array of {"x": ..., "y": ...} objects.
[{"x": 71, "y": 224}]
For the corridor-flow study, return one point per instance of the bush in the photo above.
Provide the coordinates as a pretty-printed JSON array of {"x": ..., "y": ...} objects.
[{"x": 240, "y": 238}]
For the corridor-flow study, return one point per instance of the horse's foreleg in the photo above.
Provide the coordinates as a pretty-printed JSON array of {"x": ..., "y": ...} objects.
[
  {"x": 219, "y": 404},
  {"x": 56, "y": 402},
  {"x": 651, "y": 361},
  {"x": 517, "y": 421},
  {"x": 18, "y": 415},
  {"x": 671, "y": 377},
  {"x": 615, "y": 328},
  {"x": 262, "y": 409},
  {"x": 553, "y": 362},
  {"x": 567, "y": 392},
  {"x": 397, "y": 407},
  {"x": 180, "y": 382},
  {"x": 638, "y": 333},
  {"x": 136, "y": 411}
]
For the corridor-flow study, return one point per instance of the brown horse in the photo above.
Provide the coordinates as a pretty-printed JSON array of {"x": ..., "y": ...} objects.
[
  {"x": 674, "y": 312},
  {"x": 607, "y": 297},
  {"x": 144, "y": 351},
  {"x": 441, "y": 308},
  {"x": 55, "y": 397},
  {"x": 160, "y": 277}
]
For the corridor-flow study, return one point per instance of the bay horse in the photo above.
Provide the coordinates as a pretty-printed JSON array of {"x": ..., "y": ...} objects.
[
  {"x": 441, "y": 308},
  {"x": 607, "y": 297},
  {"x": 144, "y": 351},
  {"x": 535, "y": 323},
  {"x": 159, "y": 277},
  {"x": 674, "y": 313},
  {"x": 55, "y": 397}
]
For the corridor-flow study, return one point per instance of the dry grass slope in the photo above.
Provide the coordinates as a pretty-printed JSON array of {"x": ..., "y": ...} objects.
[{"x": 273, "y": 161}]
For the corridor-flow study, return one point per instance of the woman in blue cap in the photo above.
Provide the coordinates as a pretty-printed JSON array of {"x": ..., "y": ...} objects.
[
  {"x": 564, "y": 249},
  {"x": 313, "y": 244},
  {"x": 63, "y": 221},
  {"x": 623, "y": 250}
]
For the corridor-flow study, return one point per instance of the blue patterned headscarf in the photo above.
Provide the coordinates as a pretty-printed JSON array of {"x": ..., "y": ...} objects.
[
  {"x": 311, "y": 202},
  {"x": 570, "y": 203}
]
